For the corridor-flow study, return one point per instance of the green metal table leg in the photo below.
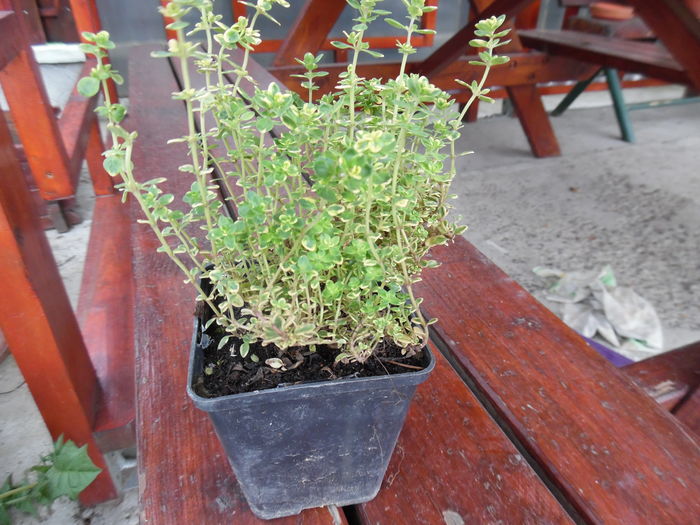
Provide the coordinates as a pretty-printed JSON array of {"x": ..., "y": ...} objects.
[
  {"x": 572, "y": 95},
  {"x": 621, "y": 112}
]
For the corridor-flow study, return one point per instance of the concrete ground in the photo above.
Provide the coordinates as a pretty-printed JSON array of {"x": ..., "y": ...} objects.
[{"x": 633, "y": 206}]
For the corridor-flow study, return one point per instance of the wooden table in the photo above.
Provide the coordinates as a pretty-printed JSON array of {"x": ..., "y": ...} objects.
[{"x": 528, "y": 425}]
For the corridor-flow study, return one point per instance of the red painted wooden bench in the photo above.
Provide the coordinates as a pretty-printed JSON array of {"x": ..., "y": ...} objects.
[
  {"x": 670, "y": 20},
  {"x": 79, "y": 369},
  {"x": 522, "y": 421}
]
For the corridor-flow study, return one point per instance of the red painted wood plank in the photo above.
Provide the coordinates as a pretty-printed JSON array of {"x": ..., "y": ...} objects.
[
  {"x": 688, "y": 412},
  {"x": 452, "y": 464},
  {"x": 74, "y": 125},
  {"x": 102, "y": 182},
  {"x": 10, "y": 44},
  {"x": 614, "y": 453},
  {"x": 87, "y": 18},
  {"x": 627, "y": 55},
  {"x": 311, "y": 27},
  {"x": 669, "y": 376},
  {"x": 28, "y": 20},
  {"x": 534, "y": 120},
  {"x": 38, "y": 322},
  {"x": 678, "y": 28},
  {"x": 183, "y": 474},
  {"x": 36, "y": 126},
  {"x": 105, "y": 314}
]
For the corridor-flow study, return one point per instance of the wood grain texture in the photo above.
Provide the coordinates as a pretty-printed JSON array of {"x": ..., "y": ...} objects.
[
  {"x": 184, "y": 476},
  {"x": 105, "y": 314},
  {"x": 36, "y": 126},
  {"x": 311, "y": 27},
  {"x": 27, "y": 19},
  {"x": 688, "y": 412},
  {"x": 615, "y": 454},
  {"x": 632, "y": 29},
  {"x": 38, "y": 322},
  {"x": 677, "y": 370},
  {"x": 678, "y": 28},
  {"x": 102, "y": 182},
  {"x": 10, "y": 44},
  {"x": 626, "y": 55},
  {"x": 74, "y": 125},
  {"x": 452, "y": 461},
  {"x": 534, "y": 120},
  {"x": 59, "y": 27}
]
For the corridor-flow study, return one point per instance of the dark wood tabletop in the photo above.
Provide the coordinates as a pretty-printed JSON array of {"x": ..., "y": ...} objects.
[{"x": 527, "y": 425}]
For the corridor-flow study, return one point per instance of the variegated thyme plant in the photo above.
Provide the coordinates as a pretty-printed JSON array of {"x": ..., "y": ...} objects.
[{"x": 333, "y": 218}]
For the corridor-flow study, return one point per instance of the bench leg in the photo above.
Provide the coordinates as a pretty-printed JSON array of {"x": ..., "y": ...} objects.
[
  {"x": 39, "y": 325},
  {"x": 534, "y": 120},
  {"x": 623, "y": 118},
  {"x": 572, "y": 95}
]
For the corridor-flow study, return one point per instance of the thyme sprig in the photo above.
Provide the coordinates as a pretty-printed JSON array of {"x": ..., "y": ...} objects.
[{"x": 335, "y": 215}]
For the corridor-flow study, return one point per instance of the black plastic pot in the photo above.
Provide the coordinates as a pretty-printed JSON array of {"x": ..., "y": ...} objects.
[{"x": 309, "y": 445}]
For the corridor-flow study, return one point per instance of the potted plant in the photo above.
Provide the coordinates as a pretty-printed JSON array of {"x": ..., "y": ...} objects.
[{"x": 309, "y": 341}]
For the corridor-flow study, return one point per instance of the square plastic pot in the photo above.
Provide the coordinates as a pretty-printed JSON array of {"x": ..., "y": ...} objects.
[{"x": 310, "y": 445}]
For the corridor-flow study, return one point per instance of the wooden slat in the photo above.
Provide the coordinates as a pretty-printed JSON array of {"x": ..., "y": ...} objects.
[
  {"x": 627, "y": 55},
  {"x": 311, "y": 27},
  {"x": 688, "y": 412},
  {"x": 613, "y": 452},
  {"x": 452, "y": 464},
  {"x": 102, "y": 182},
  {"x": 59, "y": 27},
  {"x": 533, "y": 118},
  {"x": 74, "y": 125},
  {"x": 669, "y": 376},
  {"x": 105, "y": 314},
  {"x": 36, "y": 126},
  {"x": 10, "y": 43},
  {"x": 678, "y": 28},
  {"x": 38, "y": 322},
  {"x": 183, "y": 473},
  {"x": 27, "y": 19},
  {"x": 523, "y": 68}
]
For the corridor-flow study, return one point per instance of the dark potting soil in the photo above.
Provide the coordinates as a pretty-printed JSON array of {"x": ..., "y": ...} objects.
[{"x": 226, "y": 374}]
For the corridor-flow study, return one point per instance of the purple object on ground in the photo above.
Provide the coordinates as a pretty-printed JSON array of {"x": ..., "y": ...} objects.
[{"x": 616, "y": 359}]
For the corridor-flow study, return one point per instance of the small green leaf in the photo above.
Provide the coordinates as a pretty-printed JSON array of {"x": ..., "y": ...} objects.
[
  {"x": 395, "y": 23},
  {"x": 275, "y": 363},
  {"x": 309, "y": 243},
  {"x": 340, "y": 45},
  {"x": 113, "y": 165},
  {"x": 264, "y": 124},
  {"x": 161, "y": 54},
  {"x": 72, "y": 470},
  {"x": 223, "y": 341},
  {"x": 88, "y": 86}
]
